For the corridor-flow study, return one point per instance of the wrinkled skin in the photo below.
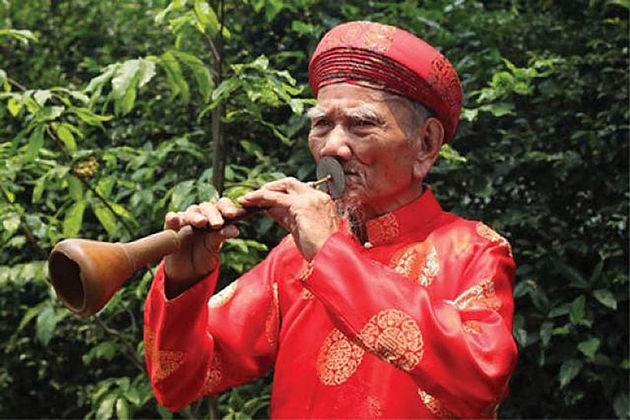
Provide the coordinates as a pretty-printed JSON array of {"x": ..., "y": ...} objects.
[{"x": 368, "y": 131}]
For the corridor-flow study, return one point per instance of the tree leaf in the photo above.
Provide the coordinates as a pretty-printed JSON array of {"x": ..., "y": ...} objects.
[
  {"x": 42, "y": 96},
  {"x": 577, "y": 309},
  {"x": 75, "y": 189},
  {"x": 38, "y": 189},
  {"x": 175, "y": 77},
  {"x": 568, "y": 371},
  {"x": 66, "y": 136},
  {"x": 589, "y": 347},
  {"x": 133, "y": 396},
  {"x": 200, "y": 71},
  {"x": 122, "y": 409},
  {"x": 35, "y": 142},
  {"x": 11, "y": 223},
  {"x": 106, "y": 406},
  {"x": 106, "y": 217},
  {"x": 207, "y": 17},
  {"x": 606, "y": 298},
  {"x": 46, "y": 324},
  {"x": 74, "y": 219},
  {"x": 621, "y": 405},
  {"x": 14, "y": 106}
]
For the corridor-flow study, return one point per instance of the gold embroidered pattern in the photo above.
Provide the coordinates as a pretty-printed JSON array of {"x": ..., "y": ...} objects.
[
  {"x": 471, "y": 327},
  {"x": 273, "y": 318},
  {"x": 223, "y": 296},
  {"x": 368, "y": 35},
  {"x": 418, "y": 261},
  {"x": 306, "y": 294},
  {"x": 489, "y": 234},
  {"x": 383, "y": 229},
  {"x": 374, "y": 407},
  {"x": 338, "y": 358},
  {"x": 308, "y": 270},
  {"x": 395, "y": 337},
  {"x": 480, "y": 296},
  {"x": 461, "y": 241},
  {"x": 163, "y": 362},
  {"x": 434, "y": 405},
  {"x": 213, "y": 376}
]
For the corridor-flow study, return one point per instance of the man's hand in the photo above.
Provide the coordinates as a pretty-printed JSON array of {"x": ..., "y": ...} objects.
[
  {"x": 309, "y": 214},
  {"x": 199, "y": 254}
]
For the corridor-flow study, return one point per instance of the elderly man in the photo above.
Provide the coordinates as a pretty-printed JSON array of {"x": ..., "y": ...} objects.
[{"x": 379, "y": 304}]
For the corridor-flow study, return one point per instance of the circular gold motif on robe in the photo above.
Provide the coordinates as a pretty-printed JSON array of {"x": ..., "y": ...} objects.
[
  {"x": 395, "y": 337},
  {"x": 418, "y": 262},
  {"x": 223, "y": 296},
  {"x": 338, "y": 358}
]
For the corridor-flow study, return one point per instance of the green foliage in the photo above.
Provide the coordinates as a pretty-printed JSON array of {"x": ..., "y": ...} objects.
[{"x": 105, "y": 125}]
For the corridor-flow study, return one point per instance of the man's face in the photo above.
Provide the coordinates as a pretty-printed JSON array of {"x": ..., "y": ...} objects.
[{"x": 367, "y": 130}]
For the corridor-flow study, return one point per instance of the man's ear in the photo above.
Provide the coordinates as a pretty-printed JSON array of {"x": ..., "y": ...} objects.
[{"x": 429, "y": 142}]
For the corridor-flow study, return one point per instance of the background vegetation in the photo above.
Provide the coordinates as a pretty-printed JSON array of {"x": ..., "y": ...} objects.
[{"x": 113, "y": 112}]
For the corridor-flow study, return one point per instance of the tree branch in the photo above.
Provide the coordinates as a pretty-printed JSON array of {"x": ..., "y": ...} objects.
[
  {"x": 130, "y": 352},
  {"x": 25, "y": 228}
]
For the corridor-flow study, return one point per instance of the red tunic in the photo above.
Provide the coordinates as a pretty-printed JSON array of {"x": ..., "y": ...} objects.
[{"x": 415, "y": 323}]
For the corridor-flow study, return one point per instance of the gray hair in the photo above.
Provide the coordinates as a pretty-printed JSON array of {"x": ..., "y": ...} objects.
[{"x": 419, "y": 114}]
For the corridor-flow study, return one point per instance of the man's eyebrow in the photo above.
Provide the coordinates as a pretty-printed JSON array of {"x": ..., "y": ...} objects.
[
  {"x": 364, "y": 112},
  {"x": 315, "y": 112}
]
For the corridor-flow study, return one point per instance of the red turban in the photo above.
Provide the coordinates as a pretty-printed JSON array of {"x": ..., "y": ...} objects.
[{"x": 391, "y": 59}]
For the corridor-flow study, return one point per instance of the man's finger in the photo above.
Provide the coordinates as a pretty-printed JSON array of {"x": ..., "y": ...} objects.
[
  {"x": 213, "y": 241},
  {"x": 193, "y": 216},
  {"x": 288, "y": 185},
  {"x": 172, "y": 221},
  {"x": 215, "y": 219},
  {"x": 266, "y": 198},
  {"x": 226, "y": 207}
]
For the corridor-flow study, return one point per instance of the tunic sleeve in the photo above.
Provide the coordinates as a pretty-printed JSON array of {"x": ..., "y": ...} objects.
[
  {"x": 197, "y": 345},
  {"x": 460, "y": 351}
]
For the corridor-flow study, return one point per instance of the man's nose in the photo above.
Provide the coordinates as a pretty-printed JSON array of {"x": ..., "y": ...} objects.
[{"x": 337, "y": 144}]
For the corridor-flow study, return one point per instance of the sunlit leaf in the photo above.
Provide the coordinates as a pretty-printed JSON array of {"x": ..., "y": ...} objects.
[
  {"x": 106, "y": 217},
  {"x": 35, "y": 142},
  {"x": 73, "y": 219}
]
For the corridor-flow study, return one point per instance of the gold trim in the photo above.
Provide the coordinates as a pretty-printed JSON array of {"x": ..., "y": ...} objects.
[
  {"x": 480, "y": 296},
  {"x": 223, "y": 296},
  {"x": 163, "y": 362},
  {"x": 487, "y": 233}
]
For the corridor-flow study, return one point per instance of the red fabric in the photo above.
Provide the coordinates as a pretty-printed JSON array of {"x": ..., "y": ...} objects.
[
  {"x": 389, "y": 58},
  {"x": 416, "y": 323}
]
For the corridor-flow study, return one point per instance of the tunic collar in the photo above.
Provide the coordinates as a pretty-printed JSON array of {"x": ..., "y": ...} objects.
[{"x": 411, "y": 217}]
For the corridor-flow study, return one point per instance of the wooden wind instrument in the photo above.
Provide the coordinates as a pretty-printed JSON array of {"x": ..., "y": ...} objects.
[{"x": 87, "y": 273}]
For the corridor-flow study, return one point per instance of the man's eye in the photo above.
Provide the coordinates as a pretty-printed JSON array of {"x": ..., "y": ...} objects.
[
  {"x": 364, "y": 123},
  {"x": 321, "y": 123}
]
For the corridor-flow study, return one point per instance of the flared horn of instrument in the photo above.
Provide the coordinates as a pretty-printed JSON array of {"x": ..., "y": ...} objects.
[{"x": 86, "y": 274}]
